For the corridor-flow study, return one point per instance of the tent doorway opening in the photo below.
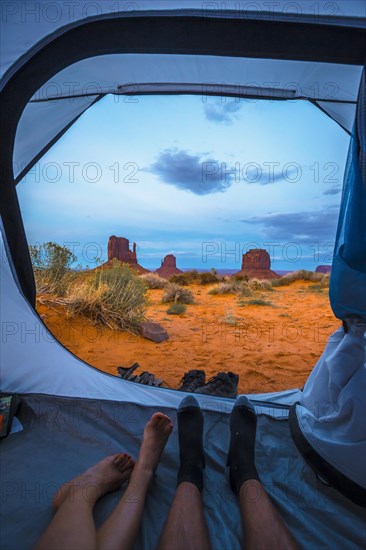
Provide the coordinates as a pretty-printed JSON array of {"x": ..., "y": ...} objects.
[{"x": 222, "y": 213}]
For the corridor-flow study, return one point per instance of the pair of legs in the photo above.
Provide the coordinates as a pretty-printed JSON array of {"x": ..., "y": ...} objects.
[{"x": 73, "y": 528}]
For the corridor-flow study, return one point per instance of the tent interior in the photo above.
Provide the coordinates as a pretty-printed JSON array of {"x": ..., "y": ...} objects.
[{"x": 310, "y": 445}]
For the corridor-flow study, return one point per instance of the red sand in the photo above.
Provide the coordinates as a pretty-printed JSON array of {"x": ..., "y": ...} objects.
[{"x": 271, "y": 347}]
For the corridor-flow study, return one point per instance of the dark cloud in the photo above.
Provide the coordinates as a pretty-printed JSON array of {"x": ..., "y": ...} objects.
[
  {"x": 222, "y": 112},
  {"x": 302, "y": 227},
  {"x": 193, "y": 173},
  {"x": 333, "y": 190}
]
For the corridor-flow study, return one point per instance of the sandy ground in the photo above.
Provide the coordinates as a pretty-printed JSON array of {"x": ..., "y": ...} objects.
[{"x": 271, "y": 347}]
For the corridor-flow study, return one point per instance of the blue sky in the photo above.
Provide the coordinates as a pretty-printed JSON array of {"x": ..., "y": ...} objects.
[{"x": 203, "y": 178}]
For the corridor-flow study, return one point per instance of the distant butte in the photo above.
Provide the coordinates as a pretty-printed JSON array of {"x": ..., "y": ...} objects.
[
  {"x": 323, "y": 269},
  {"x": 119, "y": 249},
  {"x": 256, "y": 263},
  {"x": 168, "y": 267}
]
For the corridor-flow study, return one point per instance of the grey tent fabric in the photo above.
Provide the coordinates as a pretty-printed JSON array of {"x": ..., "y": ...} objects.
[{"x": 56, "y": 119}]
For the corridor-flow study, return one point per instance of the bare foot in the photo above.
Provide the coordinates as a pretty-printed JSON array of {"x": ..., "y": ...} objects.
[
  {"x": 156, "y": 434},
  {"x": 104, "y": 477}
]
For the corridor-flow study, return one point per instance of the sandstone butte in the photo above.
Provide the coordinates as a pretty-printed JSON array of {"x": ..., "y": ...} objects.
[
  {"x": 119, "y": 249},
  {"x": 323, "y": 269},
  {"x": 168, "y": 267},
  {"x": 256, "y": 263}
]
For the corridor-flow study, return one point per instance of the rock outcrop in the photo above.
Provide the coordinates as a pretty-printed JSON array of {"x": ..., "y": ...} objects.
[
  {"x": 119, "y": 249},
  {"x": 256, "y": 263},
  {"x": 154, "y": 332},
  {"x": 168, "y": 267},
  {"x": 323, "y": 269}
]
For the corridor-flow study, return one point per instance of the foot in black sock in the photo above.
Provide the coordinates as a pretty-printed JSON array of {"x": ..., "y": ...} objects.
[
  {"x": 190, "y": 433},
  {"x": 243, "y": 424}
]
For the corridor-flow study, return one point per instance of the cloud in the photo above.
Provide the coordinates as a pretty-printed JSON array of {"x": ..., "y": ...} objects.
[
  {"x": 302, "y": 227},
  {"x": 222, "y": 112},
  {"x": 193, "y": 173},
  {"x": 333, "y": 190},
  {"x": 202, "y": 175}
]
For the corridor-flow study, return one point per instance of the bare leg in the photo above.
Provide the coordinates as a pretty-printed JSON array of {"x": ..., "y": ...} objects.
[
  {"x": 121, "y": 528},
  {"x": 73, "y": 524},
  {"x": 186, "y": 528},
  {"x": 263, "y": 527}
]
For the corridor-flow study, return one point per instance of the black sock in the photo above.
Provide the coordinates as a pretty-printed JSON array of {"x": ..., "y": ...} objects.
[
  {"x": 243, "y": 424},
  {"x": 190, "y": 432}
]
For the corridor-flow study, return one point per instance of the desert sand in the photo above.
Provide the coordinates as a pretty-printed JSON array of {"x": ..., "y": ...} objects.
[{"x": 271, "y": 347}]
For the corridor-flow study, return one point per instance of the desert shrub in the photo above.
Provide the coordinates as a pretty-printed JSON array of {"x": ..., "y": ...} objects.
[
  {"x": 325, "y": 281},
  {"x": 193, "y": 277},
  {"x": 177, "y": 294},
  {"x": 52, "y": 267},
  {"x": 229, "y": 319},
  {"x": 259, "y": 302},
  {"x": 240, "y": 277},
  {"x": 176, "y": 309},
  {"x": 315, "y": 288},
  {"x": 256, "y": 284},
  {"x": 185, "y": 279},
  {"x": 232, "y": 286},
  {"x": 154, "y": 281},
  {"x": 301, "y": 275},
  {"x": 207, "y": 278},
  {"x": 116, "y": 298}
]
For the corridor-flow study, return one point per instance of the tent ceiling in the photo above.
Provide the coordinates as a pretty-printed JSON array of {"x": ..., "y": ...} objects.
[{"x": 73, "y": 90}]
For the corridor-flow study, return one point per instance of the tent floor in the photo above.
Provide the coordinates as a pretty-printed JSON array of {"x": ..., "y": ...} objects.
[{"x": 63, "y": 436}]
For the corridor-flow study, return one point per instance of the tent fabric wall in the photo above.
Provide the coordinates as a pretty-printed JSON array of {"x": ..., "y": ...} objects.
[{"x": 348, "y": 280}]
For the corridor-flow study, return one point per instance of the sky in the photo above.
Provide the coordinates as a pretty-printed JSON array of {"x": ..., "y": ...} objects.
[{"x": 203, "y": 178}]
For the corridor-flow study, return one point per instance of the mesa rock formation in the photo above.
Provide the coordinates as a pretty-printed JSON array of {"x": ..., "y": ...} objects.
[
  {"x": 256, "y": 263},
  {"x": 119, "y": 249},
  {"x": 168, "y": 267},
  {"x": 323, "y": 269}
]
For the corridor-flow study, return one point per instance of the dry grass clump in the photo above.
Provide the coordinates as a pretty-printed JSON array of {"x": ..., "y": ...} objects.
[
  {"x": 233, "y": 286},
  {"x": 177, "y": 294},
  {"x": 256, "y": 284},
  {"x": 301, "y": 275},
  {"x": 116, "y": 298},
  {"x": 154, "y": 281}
]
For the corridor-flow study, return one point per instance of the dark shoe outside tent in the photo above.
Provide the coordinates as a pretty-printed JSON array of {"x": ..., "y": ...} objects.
[{"x": 72, "y": 414}]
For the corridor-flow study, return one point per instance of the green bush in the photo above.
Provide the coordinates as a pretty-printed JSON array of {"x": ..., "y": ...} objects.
[
  {"x": 176, "y": 309},
  {"x": 116, "y": 298},
  {"x": 51, "y": 263},
  {"x": 177, "y": 294}
]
